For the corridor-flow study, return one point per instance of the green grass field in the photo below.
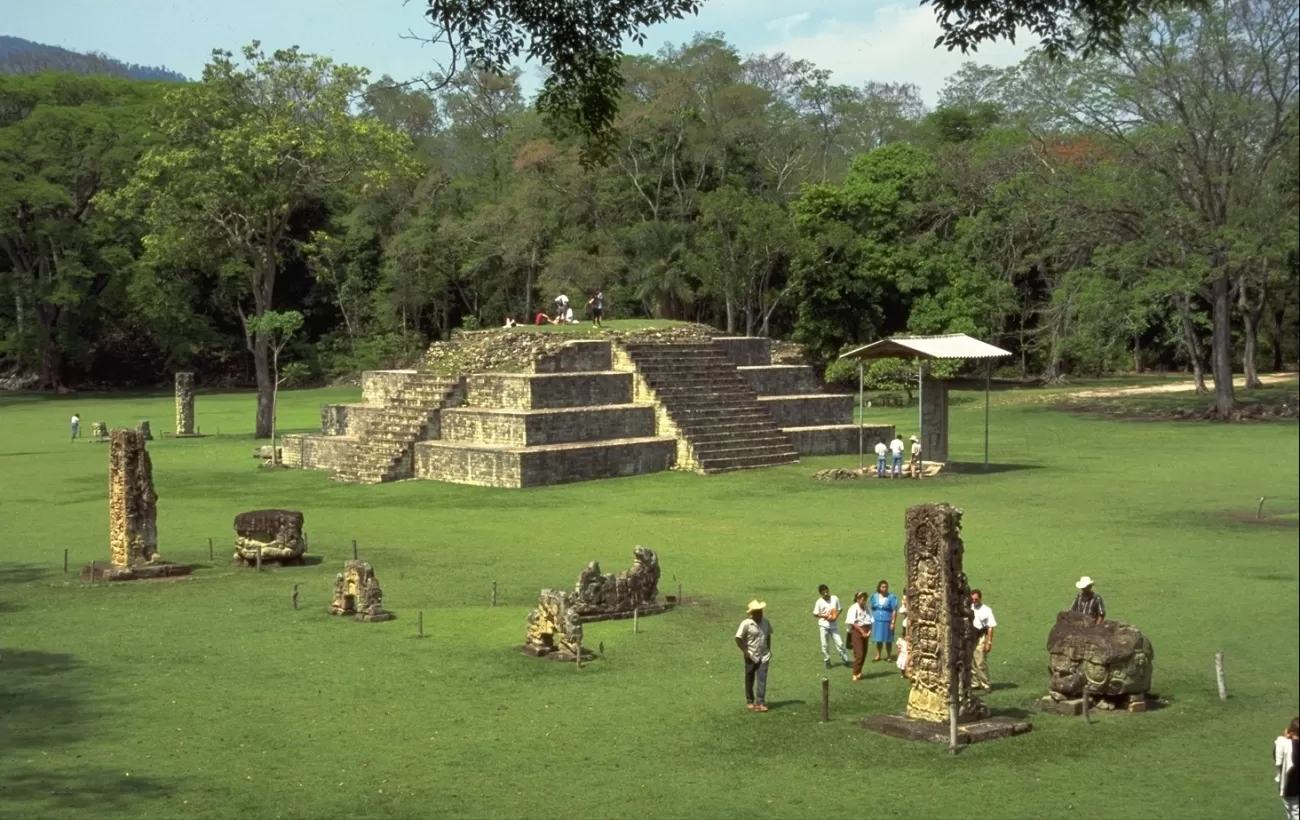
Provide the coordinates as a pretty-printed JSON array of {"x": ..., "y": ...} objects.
[{"x": 211, "y": 697}]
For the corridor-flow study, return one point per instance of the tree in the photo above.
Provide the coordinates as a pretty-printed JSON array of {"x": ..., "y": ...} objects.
[
  {"x": 240, "y": 154},
  {"x": 277, "y": 327}
]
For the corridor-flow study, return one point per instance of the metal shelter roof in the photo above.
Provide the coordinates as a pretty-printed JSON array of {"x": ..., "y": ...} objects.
[{"x": 950, "y": 346}]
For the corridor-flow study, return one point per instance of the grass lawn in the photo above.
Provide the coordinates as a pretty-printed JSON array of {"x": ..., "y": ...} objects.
[{"x": 211, "y": 697}]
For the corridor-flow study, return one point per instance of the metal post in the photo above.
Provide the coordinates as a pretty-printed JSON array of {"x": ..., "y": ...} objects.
[
  {"x": 1218, "y": 674},
  {"x": 826, "y": 700},
  {"x": 861, "y": 457},
  {"x": 988, "y": 380},
  {"x": 920, "y": 404}
]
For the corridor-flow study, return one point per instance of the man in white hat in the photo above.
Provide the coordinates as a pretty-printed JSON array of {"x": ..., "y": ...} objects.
[
  {"x": 754, "y": 637},
  {"x": 914, "y": 466},
  {"x": 1088, "y": 602}
]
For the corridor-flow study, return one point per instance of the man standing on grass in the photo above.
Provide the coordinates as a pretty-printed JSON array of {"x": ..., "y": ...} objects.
[
  {"x": 754, "y": 637},
  {"x": 1088, "y": 602},
  {"x": 985, "y": 623},
  {"x": 915, "y": 464},
  {"x": 859, "y": 619},
  {"x": 76, "y": 425},
  {"x": 882, "y": 451},
  {"x": 826, "y": 610},
  {"x": 896, "y": 448}
]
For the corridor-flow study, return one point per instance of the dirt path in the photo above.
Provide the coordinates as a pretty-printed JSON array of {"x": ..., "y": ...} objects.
[{"x": 1175, "y": 387}]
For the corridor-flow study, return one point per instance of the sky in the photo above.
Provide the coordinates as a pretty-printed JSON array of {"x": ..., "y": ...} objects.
[{"x": 858, "y": 41}]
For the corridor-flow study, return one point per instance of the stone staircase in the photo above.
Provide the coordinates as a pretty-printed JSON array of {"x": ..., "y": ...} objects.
[
  {"x": 384, "y": 444},
  {"x": 711, "y": 407}
]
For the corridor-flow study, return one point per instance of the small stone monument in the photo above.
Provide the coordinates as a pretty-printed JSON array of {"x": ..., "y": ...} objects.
[
  {"x": 142, "y": 427},
  {"x": 277, "y": 534},
  {"x": 941, "y": 638},
  {"x": 607, "y": 596},
  {"x": 553, "y": 629},
  {"x": 132, "y": 515},
  {"x": 184, "y": 404},
  {"x": 357, "y": 593},
  {"x": 99, "y": 431},
  {"x": 1111, "y": 663}
]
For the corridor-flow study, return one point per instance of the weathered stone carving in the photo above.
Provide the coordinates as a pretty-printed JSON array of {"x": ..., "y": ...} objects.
[
  {"x": 553, "y": 628},
  {"x": 142, "y": 427},
  {"x": 99, "y": 431},
  {"x": 277, "y": 533},
  {"x": 941, "y": 637},
  {"x": 601, "y": 596},
  {"x": 132, "y": 514},
  {"x": 357, "y": 593},
  {"x": 1110, "y": 658},
  {"x": 184, "y": 404}
]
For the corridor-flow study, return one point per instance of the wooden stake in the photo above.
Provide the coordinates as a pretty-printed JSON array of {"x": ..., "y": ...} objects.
[
  {"x": 952, "y": 726},
  {"x": 65, "y": 560},
  {"x": 1260, "y": 509},
  {"x": 295, "y": 596},
  {"x": 494, "y": 593},
  {"x": 635, "y": 627},
  {"x": 259, "y": 559},
  {"x": 354, "y": 549},
  {"x": 577, "y": 656},
  {"x": 1086, "y": 717},
  {"x": 826, "y": 700},
  {"x": 421, "y": 627},
  {"x": 209, "y": 549},
  {"x": 680, "y": 600},
  {"x": 1218, "y": 674}
]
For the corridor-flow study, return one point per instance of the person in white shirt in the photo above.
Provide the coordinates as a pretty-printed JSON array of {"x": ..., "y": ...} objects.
[
  {"x": 859, "y": 621},
  {"x": 896, "y": 447},
  {"x": 985, "y": 623},
  {"x": 568, "y": 316},
  {"x": 882, "y": 451},
  {"x": 754, "y": 637},
  {"x": 914, "y": 465},
  {"x": 827, "y": 612},
  {"x": 561, "y": 302},
  {"x": 510, "y": 322},
  {"x": 1286, "y": 759},
  {"x": 76, "y": 425}
]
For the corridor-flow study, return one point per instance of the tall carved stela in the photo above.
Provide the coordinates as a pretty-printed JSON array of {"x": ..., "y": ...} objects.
[
  {"x": 184, "y": 404},
  {"x": 132, "y": 502}
]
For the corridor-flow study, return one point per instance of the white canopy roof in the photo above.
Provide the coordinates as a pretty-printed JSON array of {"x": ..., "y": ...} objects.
[{"x": 951, "y": 346}]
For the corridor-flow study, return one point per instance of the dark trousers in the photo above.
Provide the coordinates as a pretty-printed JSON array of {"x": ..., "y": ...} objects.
[
  {"x": 859, "y": 649},
  {"x": 756, "y": 682}
]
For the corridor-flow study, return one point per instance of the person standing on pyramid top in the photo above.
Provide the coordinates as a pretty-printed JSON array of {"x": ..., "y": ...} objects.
[{"x": 597, "y": 307}]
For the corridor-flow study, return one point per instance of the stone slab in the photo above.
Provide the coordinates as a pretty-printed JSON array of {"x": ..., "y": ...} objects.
[
  {"x": 580, "y": 356},
  {"x": 527, "y": 391},
  {"x": 625, "y": 616},
  {"x": 906, "y": 728},
  {"x": 781, "y": 379},
  {"x": 745, "y": 350},
  {"x": 530, "y": 428},
  {"x": 1073, "y": 707},
  {"x": 104, "y": 571}
]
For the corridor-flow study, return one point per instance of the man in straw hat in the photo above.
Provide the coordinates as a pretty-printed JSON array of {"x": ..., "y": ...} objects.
[
  {"x": 754, "y": 637},
  {"x": 1088, "y": 602},
  {"x": 914, "y": 465}
]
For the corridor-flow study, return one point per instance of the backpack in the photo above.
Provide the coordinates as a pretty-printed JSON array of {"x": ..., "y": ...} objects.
[{"x": 1291, "y": 778}]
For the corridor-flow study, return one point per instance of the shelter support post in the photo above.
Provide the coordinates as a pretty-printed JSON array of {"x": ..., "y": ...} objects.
[{"x": 988, "y": 383}]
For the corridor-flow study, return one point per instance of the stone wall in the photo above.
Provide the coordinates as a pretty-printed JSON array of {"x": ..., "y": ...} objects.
[
  {"x": 315, "y": 452},
  {"x": 521, "y": 391},
  {"x": 837, "y": 439},
  {"x": 782, "y": 379},
  {"x": 576, "y": 357},
  {"x": 809, "y": 410},
  {"x": 378, "y": 386},
  {"x": 524, "y": 428},
  {"x": 560, "y": 464},
  {"x": 744, "y": 351}
]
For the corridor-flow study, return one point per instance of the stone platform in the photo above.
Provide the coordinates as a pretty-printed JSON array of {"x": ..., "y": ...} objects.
[
  {"x": 104, "y": 571},
  {"x": 1073, "y": 707},
  {"x": 906, "y": 728},
  {"x": 488, "y": 465},
  {"x": 626, "y": 616}
]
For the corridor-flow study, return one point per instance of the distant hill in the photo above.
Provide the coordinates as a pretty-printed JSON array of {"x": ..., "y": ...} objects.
[{"x": 19, "y": 56}]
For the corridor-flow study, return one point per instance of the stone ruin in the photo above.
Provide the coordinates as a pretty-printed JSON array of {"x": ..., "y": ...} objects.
[
  {"x": 142, "y": 427},
  {"x": 1112, "y": 662},
  {"x": 607, "y": 596},
  {"x": 132, "y": 515},
  {"x": 184, "y": 404},
  {"x": 553, "y": 629},
  {"x": 98, "y": 431},
  {"x": 941, "y": 637},
  {"x": 357, "y": 593},
  {"x": 276, "y": 534}
]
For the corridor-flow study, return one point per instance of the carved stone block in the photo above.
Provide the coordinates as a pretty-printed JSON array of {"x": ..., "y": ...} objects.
[
  {"x": 184, "y": 404},
  {"x": 357, "y": 593},
  {"x": 1111, "y": 658},
  {"x": 277, "y": 533}
]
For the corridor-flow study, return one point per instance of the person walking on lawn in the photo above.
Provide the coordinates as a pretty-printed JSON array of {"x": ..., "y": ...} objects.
[
  {"x": 985, "y": 623},
  {"x": 859, "y": 621},
  {"x": 754, "y": 637},
  {"x": 826, "y": 609}
]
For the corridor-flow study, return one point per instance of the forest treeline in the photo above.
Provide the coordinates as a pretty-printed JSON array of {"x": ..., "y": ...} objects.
[{"x": 1126, "y": 211}]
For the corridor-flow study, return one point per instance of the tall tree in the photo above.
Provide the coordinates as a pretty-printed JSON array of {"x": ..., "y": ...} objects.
[{"x": 240, "y": 154}]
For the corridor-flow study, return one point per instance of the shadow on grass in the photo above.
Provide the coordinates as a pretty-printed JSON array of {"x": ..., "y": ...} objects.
[
  {"x": 781, "y": 704},
  {"x": 980, "y": 468},
  {"x": 42, "y": 708},
  {"x": 23, "y": 573}
]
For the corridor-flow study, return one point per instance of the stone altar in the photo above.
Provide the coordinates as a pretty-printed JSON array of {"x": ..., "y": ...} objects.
[
  {"x": 1112, "y": 659},
  {"x": 142, "y": 427},
  {"x": 278, "y": 534},
  {"x": 184, "y": 404},
  {"x": 553, "y": 629},
  {"x": 357, "y": 593},
  {"x": 98, "y": 431},
  {"x": 607, "y": 596},
  {"x": 132, "y": 515}
]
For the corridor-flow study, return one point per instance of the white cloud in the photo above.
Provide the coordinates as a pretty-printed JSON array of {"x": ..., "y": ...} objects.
[
  {"x": 895, "y": 45},
  {"x": 787, "y": 24}
]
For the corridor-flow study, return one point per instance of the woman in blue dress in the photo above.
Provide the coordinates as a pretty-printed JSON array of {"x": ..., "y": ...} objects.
[{"x": 884, "y": 608}]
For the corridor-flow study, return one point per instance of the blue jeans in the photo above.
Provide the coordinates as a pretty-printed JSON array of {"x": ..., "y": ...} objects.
[
  {"x": 756, "y": 682},
  {"x": 75, "y": 430},
  {"x": 880, "y": 466},
  {"x": 898, "y": 464}
]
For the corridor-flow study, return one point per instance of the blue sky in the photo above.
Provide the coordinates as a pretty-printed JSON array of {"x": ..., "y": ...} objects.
[{"x": 858, "y": 41}]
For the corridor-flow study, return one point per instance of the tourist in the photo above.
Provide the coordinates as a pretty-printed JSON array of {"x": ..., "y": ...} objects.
[
  {"x": 882, "y": 450},
  {"x": 561, "y": 302},
  {"x": 597, "y": 307},
  {"x": 754, "y": 637},
  {"x": 1286, "y": 761},
  {"x": 903, "y": 640},
  {"x": 567, "y": 318},
  {"x": 884, "y": 608},
  {"x": 826, "y": 609},
  {"x": 1088, "y": 602},
  {"x": 510, "y": 322},
  {"x": 542, "y": 319},
  {"x": 915, "y": 464},
  {"x": 896, "y": 448},
  {"x": 985, "y": 623},
  {"x": 76, "y": 425},
  {"x": 859, "y": 621}
]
